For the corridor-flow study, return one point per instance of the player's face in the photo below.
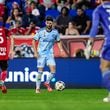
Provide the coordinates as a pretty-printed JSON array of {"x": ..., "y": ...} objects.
[{"x": 49, "y": 24}]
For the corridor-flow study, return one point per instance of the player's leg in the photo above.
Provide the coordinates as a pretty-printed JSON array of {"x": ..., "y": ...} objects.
[
  {"x": 40, "y": 66},
  {"x": 38, "y": 79},
  {"x": 52, "y": 67},
  {"x": 3, "y": 75},
  {"x": 105, "y": 68},
  {"x": 52, "y": 73}
]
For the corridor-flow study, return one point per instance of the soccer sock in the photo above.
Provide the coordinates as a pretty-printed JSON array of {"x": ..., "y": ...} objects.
[
  {"x": 38, "y": 80},
  {"x": 50, "y": 77},
  {"x": 106, "y": 80},
  {"x": 3, "y": 75}
]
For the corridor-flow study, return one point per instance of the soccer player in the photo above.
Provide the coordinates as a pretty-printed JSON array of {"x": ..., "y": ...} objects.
[
  {"x": 102, "y": 15},
  {"x": 44, "y": 52},
  {"x": 4, "y": 55}
]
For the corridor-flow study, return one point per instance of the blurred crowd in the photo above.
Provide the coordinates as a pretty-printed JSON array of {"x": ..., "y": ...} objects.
[{"x": 26, "y": 17}]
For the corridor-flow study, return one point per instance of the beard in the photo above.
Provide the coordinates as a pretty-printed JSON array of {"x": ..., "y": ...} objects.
[{"x": 49, "y": 27}]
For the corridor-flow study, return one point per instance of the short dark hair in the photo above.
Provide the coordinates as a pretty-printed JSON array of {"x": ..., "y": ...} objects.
[{"x": 49, "y": 18}]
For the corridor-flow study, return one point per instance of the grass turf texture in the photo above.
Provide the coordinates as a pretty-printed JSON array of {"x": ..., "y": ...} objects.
[{"x": 69, "y": 99}]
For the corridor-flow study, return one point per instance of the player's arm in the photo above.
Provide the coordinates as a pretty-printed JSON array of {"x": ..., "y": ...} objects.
[
  {"x": 59, "y": 43},
  {"x": 62, "y": 53},
  {"x": 93, "y": 32},
  {"x": 34, "y": 48},
  {"x": 11, "y": 51},
  {"x": 35, "y": 38}
]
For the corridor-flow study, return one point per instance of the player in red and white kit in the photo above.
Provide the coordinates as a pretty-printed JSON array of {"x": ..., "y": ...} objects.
[{"x": 4, "y": 55}]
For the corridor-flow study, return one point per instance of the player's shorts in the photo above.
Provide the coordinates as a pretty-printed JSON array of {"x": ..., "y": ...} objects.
[
  {"x": 105, "y": 54},
  {"x": 45, "y": 60},
  {"x": 3, "y": 64}
]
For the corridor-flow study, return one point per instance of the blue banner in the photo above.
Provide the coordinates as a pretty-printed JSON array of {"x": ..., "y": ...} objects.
[{"x": 78, "y": 73}]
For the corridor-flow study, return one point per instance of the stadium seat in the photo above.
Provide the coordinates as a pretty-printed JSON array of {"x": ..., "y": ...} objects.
[
  {"x": 89, "y": 13},
  {"x": 72, "y": 12},
  {"x": 52, "y": 12}
]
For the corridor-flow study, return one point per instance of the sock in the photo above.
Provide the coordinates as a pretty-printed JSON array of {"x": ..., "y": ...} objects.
[
  {"x": 3, "y": 75},
  {"x": 38, "y": 80},
  {"x": 50, "y": 77},
  {"x": 106, "y": 80}
]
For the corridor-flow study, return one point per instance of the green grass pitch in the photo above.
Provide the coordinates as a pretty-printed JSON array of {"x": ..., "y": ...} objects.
[{"x": 69, "y": 99}]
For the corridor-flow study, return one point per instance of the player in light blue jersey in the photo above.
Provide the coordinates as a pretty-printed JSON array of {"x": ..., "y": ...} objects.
[
  {"x": 102, "y": 15},
  {"x": 46, "y": 38}
]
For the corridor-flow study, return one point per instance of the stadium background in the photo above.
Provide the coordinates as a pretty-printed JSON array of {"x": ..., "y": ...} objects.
[{"x": 72, "y": 68}]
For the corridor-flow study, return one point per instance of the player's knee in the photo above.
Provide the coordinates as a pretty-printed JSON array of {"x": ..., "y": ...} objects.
[
  {"x": 40, "y": 70},
  {"x": 53, "y": 70}
]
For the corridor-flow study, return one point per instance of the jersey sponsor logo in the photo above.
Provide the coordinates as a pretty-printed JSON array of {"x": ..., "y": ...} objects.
[{"x": 2, "y": 51}]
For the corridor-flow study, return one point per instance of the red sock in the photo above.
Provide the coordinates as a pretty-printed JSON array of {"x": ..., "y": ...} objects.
[{"x": 3, "y": 75}]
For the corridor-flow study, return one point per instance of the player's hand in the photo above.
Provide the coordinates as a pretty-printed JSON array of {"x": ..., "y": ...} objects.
[
  {"x": 11, "y": 54},
  {"x": 36, "y": 55},
  {"x": 62, "y": 53}
]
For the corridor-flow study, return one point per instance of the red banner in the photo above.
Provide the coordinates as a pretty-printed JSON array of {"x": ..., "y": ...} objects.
[{"x": 73, "y": 46}]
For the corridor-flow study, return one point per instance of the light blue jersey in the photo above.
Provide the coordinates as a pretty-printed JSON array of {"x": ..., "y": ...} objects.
[
  {"x": 45, "y": 46},
  {"x": 46, "y": 40}
]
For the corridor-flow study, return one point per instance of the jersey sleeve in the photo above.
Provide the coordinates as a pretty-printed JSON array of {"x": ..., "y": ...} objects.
[
  {"x": 37, "y": 36},
  {"x": 95, "y": 23}
]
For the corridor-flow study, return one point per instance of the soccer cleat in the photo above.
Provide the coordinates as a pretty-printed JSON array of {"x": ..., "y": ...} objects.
[
  {"x": 106, "y": 99},
  {"x": 49, "y": 89},
  {"x": 37, "y": 91},
  {"x": 47, "y": 85},
  {"x": 4, "y": 89}
]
